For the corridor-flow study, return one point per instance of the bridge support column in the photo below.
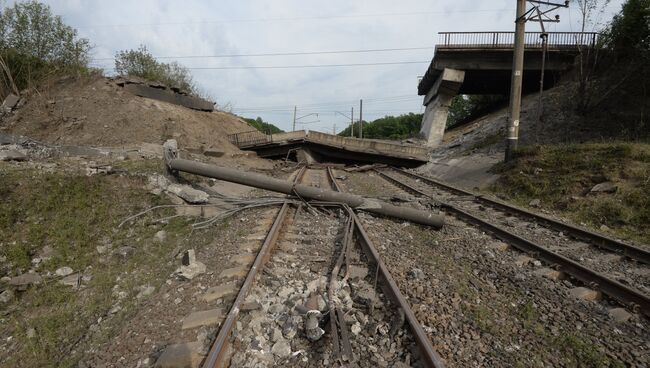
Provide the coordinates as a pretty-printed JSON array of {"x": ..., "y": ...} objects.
[{"x": 437, "y": 102}]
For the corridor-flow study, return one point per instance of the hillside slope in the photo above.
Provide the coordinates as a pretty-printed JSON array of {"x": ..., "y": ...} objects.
[{"x": 94, "y": 111}]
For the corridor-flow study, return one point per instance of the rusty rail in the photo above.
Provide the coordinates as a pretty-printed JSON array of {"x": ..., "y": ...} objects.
[
  {"x": 598, "y": 240},
  {"x": 216, "y": 355},
  {"x": 636, "y": 300},
  {"x": 429, "y": 355},
  {"x": 500, "y": 40}
]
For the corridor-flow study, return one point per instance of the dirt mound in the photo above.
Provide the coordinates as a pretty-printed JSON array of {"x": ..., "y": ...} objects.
[{"x": 95, "y": 111}]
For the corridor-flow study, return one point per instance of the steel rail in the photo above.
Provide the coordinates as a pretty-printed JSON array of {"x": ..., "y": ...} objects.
[
  {"x": 217, "y": 352},
  {"x": 636, "y": 300},
  {"x": 429, "y": 355},
  {"x": 598, "y": 240}
]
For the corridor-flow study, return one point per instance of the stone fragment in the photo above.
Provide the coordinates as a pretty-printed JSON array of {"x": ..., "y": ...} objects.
[
  {"x": 585, "y": 294},
  {"x": 63, "y": 271},
  {"x": 281, "y": 349},
  {"x": 145, "y": 291},
  {"x": 620, "y": 315},
  {"x": 71, "y": 280},
  {"x": 250, "y": 306},
  {"x": 191, "y": 271},
  {"x": 185, "y": 355},
  {"x": 10, "y": 102},
  {"x": 203, "y": 318},
  {"x": 550, "y": 274},
  {"x": 522, "y": 261},
  {"x": 12, "y": 155},
  {"x": 535, "y": 203},
  {"x": 6, "y": 296},
  {"x": 26, "y": 279},
  {"x": 604, "y": 187},
  {"x": 500, "y": 246},
  {"x": 416, "y": 274},
  {"x": 243, "y": 258},
  {"x": 218, "y": 292},
  {"x": 125, "y": 252},
  {"x": 189, "y": 194},
  {"x": 358, "y": 272},
  {"x": 234, "y": 273},
  {"x": 210, "y": 152},
  {"x": 160, "y": 236}
]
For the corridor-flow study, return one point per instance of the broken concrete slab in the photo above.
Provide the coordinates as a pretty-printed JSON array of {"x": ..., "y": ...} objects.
[
  {"x": 191, "y": 271},
  {"x": 12, "y": 155},
  {"x": 202, "y": 318},
  {"x": 550, "y": 274},
  {"x": 167, "y": 95},
  {"x": 185, "y": 355},
  {"x": 620, "y": 315},
  {"x": 73, "y": 280},
  {"x": 237, "y": 272},
  {"x": 220, "y": 291},
  {"x": 189, "y": 194},
  {"x": 213, "y": 152},
  {"x": 189, "y": 257},
  {"x": 26, "y": 279},
  {"x": 586, "y": 294},
  {"x": 604, "y": 187},
  {"x": 10, "y": 102}
]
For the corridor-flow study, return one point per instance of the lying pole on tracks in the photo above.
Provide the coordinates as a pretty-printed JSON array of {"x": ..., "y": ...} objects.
[{"x": 304, "y": 191}]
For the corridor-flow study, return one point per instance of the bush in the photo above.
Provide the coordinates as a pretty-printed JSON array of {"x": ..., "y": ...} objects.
[
  {"x": 35, "y": 44},
  {"x": 263, "y": 126},
  {"x": 140, "y": 63}
]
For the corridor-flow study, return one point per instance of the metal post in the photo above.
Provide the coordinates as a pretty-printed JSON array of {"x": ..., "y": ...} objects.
[
  {"x": 295, "y": 109},
  {"x": 515, "y": 88},
  {"x": 361, "y": 118}
]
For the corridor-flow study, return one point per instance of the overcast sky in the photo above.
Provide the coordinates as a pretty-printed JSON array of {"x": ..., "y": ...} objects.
[{"x": 199, "y": 28}]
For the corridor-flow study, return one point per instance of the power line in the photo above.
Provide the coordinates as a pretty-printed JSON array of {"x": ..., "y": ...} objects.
[
  {"x": 307, "y": 66},
  {"x": 326, "y": 17},
  {"x": 285, "y": 53},
  {"x": 324, "y": 105}
]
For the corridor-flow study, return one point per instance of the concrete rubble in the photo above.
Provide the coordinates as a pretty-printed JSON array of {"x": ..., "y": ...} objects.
[
  {"x": 190, "y": 267},
  {"x": 188, "y": 194}
]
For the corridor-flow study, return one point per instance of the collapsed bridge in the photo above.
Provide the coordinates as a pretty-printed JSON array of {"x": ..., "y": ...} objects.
[{"x": 481, "y": 63}]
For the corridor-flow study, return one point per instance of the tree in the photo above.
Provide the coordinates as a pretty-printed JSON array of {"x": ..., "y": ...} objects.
[
  {"x": 263, "y": 126},
  {"x": 140, "y": 63},
  {"x": 34, "y": 43}
]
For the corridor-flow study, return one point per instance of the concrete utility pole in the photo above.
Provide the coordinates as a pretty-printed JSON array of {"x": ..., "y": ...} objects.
[
  {"x": 352, "y": 122},
  {"x": 361, "y": 118},
  {"x": 295, "y": 109},
  {"x": 334, "y": 129},
  {"x": 515, "y": 86}
]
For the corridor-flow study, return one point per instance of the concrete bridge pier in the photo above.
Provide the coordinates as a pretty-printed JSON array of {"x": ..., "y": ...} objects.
[{"x": 437, "y": 102}]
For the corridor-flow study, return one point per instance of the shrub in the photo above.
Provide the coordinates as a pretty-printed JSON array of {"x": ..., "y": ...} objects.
[{"x": 140, "y": 63}]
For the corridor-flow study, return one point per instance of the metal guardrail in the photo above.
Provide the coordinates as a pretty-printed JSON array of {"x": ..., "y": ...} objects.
[
  {"x": 501, "y": 40},
  {"x": 250, "y": 138}
]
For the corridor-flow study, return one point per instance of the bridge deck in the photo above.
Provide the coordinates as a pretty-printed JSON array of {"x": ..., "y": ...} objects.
[{"x": 331, "y": 147}]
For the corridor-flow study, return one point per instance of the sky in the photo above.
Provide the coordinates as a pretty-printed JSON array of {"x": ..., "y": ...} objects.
[{"x": 187, "y": 31}]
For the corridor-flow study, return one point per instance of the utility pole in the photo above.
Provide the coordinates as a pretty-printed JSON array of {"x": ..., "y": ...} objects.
[
  {"x": 295, "y": 109},
  {"x": 352, "y": 122},
  {"x": 334, "y": 129},
  {"x": 361, "y": 118},
  {"x": 523, "y": 15},
  {"x": 515, "y": 85}
]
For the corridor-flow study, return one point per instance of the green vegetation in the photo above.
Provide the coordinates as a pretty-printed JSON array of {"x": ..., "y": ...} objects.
[
  {"x": 140, "y": 63},
  {"x": 263, "y": 126},
  {"x": 35, "y": 44},
  {"x": 389, "y": 127},
  {"x": 562, "y": 176},
  {"x": 465, "y": 108},
  {"x": 73, "y": 214}
]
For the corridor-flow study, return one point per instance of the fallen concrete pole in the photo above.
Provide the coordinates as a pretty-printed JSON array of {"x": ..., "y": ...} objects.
[{"x": 305, "y": 191}]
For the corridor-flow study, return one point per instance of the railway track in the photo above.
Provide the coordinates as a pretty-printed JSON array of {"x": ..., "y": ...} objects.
[
  {"x": 564, "y": 255},
  {"x": 312, "y": 297}
]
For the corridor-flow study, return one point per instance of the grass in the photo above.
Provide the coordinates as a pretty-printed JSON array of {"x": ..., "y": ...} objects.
[
  {"x": 561, "y": 177},
  {"x": 72, "y": 214}
]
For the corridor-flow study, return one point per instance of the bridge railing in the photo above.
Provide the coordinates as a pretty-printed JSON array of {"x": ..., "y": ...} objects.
[
  {"x": 502, "y": 40},
  {"x": 249, "y": 138}
]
